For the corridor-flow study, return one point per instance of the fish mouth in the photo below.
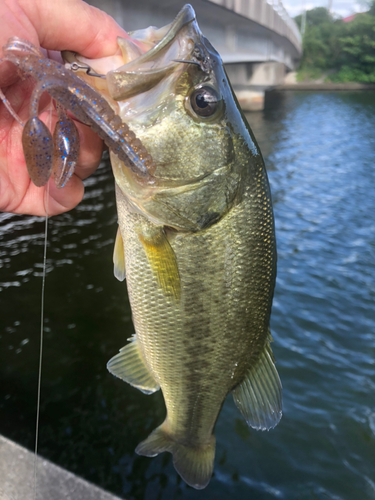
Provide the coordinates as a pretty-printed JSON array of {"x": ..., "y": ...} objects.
[
  {"x": 168, "y": 32},
  {"x": 178, "y": 42},
  {"x": 174, "y": 44}
]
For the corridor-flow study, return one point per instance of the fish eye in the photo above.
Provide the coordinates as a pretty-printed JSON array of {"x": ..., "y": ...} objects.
[{"x": 204, "y": 101}]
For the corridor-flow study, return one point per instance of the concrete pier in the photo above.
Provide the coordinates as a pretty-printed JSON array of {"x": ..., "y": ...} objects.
[
  {"x": 53, "y": 482},
  {"x": 250, "y": 81}
]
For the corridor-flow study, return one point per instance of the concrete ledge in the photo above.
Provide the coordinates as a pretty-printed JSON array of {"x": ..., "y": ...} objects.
[
  {"x": 250, "y": 100},
  {"x": 53, "y": 482},
  {"x": 325, "y": 86}
]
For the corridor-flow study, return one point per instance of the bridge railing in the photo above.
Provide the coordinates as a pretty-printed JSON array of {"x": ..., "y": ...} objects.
[{"x": 269, "y": 13}]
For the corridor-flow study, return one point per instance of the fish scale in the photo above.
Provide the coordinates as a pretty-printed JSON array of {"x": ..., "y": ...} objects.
[
  {"x": 211, "y": 319},
  {"x": 200, "y": 257}
]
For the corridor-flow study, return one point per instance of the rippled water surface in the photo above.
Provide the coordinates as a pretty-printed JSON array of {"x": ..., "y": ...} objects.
[{"x": 320, "y": 154}]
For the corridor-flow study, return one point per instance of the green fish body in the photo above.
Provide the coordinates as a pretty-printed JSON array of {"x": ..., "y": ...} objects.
[{"x": 196, "y": 243}]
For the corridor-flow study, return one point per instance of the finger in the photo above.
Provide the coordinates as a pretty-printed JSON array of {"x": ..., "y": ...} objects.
[
  {"x": 66, "y": 198},
  {"x": 53, "y": 22},
  {"x": 14, "y": 22},
  {"x": 90, "y": 144},
  {"x": 49, "y": 24},
  {"x": 8, "y": 74},
  {"x": 90, "y": 154}
]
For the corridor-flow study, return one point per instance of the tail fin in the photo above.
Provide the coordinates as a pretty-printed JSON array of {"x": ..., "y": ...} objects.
[{"x": 194, "y": 464}]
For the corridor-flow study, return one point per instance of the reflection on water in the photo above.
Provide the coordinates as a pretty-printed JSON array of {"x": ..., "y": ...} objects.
[{"x": 320, "y": 154}]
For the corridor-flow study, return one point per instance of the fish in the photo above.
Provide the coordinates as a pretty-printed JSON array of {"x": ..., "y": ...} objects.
[
  {"x": 197, "y": 246},
  {"x": 196, "y": 235}
]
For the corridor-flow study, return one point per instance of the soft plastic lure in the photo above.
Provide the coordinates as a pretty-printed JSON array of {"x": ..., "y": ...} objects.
[{"x": 57, "y": 155}]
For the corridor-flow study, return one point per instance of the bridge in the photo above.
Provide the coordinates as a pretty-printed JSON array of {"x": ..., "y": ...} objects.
[{"x": 256, "y": 39}]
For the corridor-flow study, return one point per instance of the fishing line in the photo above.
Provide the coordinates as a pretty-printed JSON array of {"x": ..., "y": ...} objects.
[
  {"x": 41, "y": 329},
  {"x": 41, "y": 343}
]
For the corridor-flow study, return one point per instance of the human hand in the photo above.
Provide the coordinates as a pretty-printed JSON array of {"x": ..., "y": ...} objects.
[{"x": 55, "y": 26}]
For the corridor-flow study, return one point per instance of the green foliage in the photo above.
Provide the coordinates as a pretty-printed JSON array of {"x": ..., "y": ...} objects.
[
  {"x": 309, "y": 74},
  {"x": 347, "y": 50},
  {"x": 315, "y": 17}
]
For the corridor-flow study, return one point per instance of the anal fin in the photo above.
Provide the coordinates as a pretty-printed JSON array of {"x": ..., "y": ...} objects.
[
  {"x": 119, "y": 257},
  {"x": 259, "y": 396},
  {"x": 130, "y": 367}
]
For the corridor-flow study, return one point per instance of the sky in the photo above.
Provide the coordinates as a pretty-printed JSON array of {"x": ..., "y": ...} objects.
[{"x": 340, "y": 8}]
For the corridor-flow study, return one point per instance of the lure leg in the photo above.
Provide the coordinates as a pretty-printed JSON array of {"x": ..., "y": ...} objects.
[
  {"x": 75, "y": 95},
  {"x": 38, "y": 150},
  {"x": 44, "y": 154},
  {"x": 66, "y": 148}
]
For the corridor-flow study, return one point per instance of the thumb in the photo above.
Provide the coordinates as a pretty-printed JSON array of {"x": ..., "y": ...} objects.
[{"x": 69, "y": 25}]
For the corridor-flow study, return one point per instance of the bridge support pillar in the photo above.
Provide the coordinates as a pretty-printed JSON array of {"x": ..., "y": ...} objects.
[
  {"x": 251, "y": 80},
  {"x": 250, "y": 100}
]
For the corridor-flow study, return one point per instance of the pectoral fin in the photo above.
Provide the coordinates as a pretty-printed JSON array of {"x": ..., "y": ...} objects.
[
  {"x": 259, "y": 396},
  {"x": 130, "y": 367},
  {"x": 162, "y": 260},
  {"x": 119, "y": 257}
]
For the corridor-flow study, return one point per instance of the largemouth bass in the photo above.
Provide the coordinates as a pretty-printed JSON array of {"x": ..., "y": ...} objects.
[
  {"x": 197, "y": 245},
  {"x": 196, "y": 239}
]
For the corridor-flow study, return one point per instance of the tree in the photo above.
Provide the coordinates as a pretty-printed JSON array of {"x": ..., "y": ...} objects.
[
  {"x": 315, "y": 17},
  {"x": 347, "y": 50},
  {"x": 358, "y": 50}
]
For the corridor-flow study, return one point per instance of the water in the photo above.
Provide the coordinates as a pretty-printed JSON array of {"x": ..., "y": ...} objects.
[{"x": 320, "y": 154}]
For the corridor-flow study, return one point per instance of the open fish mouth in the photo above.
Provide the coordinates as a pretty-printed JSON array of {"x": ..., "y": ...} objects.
[
  {"x": 173, "y": 44},
  {"x": 176, "y": 43}
]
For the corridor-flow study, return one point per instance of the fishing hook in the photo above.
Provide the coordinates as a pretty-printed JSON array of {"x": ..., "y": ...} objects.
[{"x": 79, "y": 66}]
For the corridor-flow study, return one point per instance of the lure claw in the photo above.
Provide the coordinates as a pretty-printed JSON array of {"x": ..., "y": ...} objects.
[
  {"x": 65, "y": 150},
  {"x": 38, "y": 150}
]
